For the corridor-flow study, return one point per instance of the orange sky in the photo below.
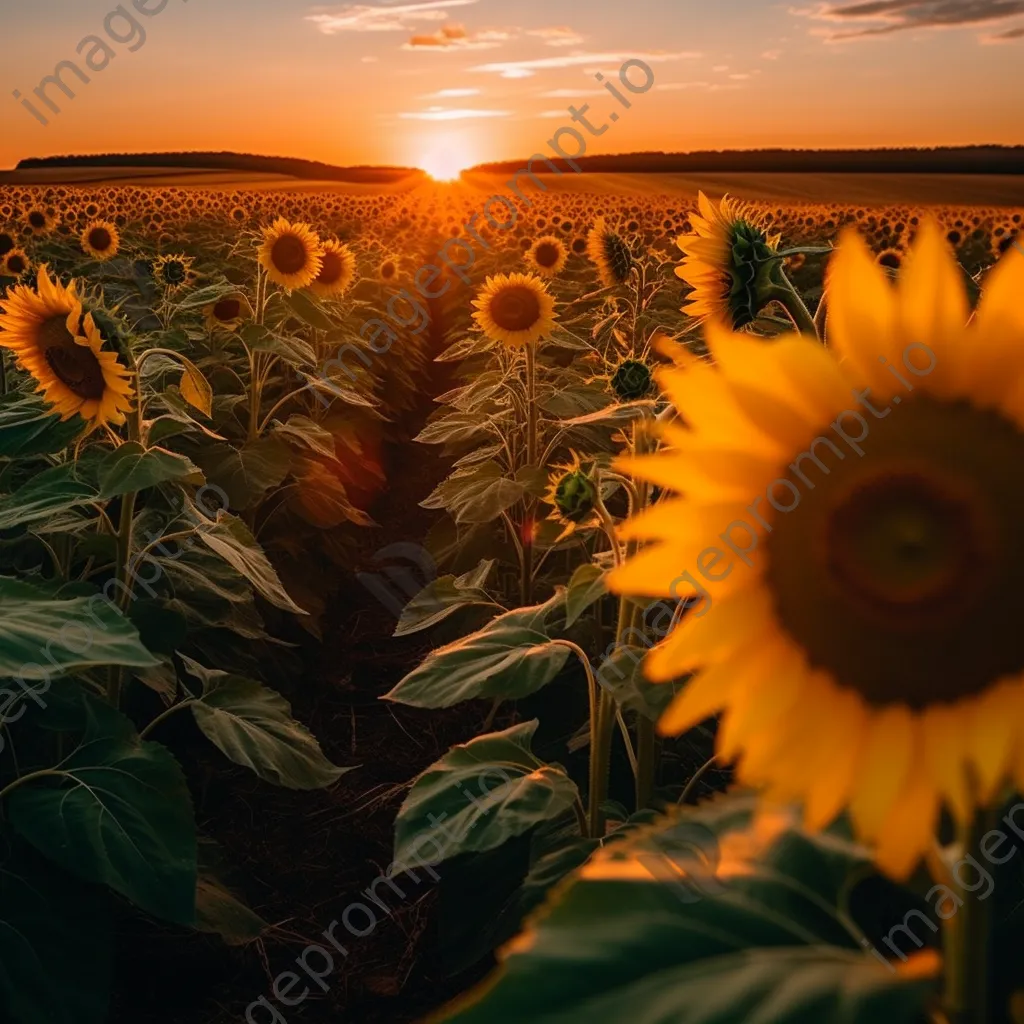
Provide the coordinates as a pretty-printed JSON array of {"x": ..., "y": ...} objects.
[{"x": 462, "y": 81}]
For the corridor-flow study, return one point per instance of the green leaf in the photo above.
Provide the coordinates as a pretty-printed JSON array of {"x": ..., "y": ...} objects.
[
  {"x": 253, "y": 726},
  {"x": 622, "y": 675},
  {"x": 47, "y": 973},
  {"x": 292, "y": 350},
  {"x": 509, "y": 658},
  {"x": 47, "y": 493},
  {"x": 219, "y": 912},
  {"x": 116, "y": 811},
  {"x": 481, "y": 794},
  {"x": 476, "y": 494},
  {"x": 44, "y": 635},
  {"x": 230, "y": 538},
  {"x": 440, "y": 598},
  {"x": 195, "y": 388},
  {"x": 130, "y": 467},
  {"x": 306, "y": 308},
  {"x": 28, "y": 426},
  {"x": 246, "y": 474},
  {"x": 586, "y": 587},
  {"x": 304, "y": 431},
  {"x": 674, "y": 924}
]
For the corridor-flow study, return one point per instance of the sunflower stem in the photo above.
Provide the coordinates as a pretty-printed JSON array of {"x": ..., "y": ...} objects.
[
  {"x": 648, "y": 747},
  {"x": 785, "y": 294},
  {"x": 526, "y": 584},
  {"x": 967, "y": 940}
]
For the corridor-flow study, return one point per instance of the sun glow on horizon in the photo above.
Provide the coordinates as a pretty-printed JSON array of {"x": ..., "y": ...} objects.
[{"x": 445, "y": 156}]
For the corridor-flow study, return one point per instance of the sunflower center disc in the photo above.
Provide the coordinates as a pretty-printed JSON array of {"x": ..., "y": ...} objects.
[
  {"x": 546, "y": 255},
  {"x": 289, "y": 255},
  {"x": 620, "y": 259},
  {"x": 898, "y": 572},
  {"x": 74, "y": 365},
  {"x": 227, "y": 309},
  {"x": 99, "y": 239},
  {"x": 515, "y": 309},
  {"x": 330, "y": 273}
]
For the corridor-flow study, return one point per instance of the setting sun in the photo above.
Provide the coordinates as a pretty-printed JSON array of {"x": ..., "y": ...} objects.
[{"x": 442, "y": 164}]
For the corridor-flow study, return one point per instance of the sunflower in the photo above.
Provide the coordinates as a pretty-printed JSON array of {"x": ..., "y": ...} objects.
[
  {"x": 337, "y": 272},
  {"x": 890, "y": 258},
  {"x": 15, "y": 263},
  {"x": 729, "y": 262},
  {"x": 573, "y": 496},
  {"x": 547, "y": 256},
  {"x": 632, "y": 380},
  {"x": 40, "y": 221},
  {"x": 291, "y": 254},
  {"x": 610, "y": 253},
  {"x": 388, "y": 270},
  {"x": 100, "y": 240},
  {"x": 227, "y": 313},
  {"x": 7, "y": 242},
  {"x": 62, "y": 348},
  {"x": 174, "y": 272},
  {"x": 515, "y": 309},
  {"x": 864, "y": 642}
]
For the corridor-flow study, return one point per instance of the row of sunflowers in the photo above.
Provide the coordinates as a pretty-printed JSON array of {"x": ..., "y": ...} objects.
[{"x": 181, "y": 481}]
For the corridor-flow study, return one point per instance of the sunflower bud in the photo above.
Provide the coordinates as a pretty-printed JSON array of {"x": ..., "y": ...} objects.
[
  {"x": 575, "y": 495},
  {"x": 632, "y": 380}
]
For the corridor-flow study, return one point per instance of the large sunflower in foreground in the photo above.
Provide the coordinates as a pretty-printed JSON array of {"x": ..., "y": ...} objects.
[
  {"x": 62, "y": 348},
  {"x": 515, "y": 309},
  {"x": 859, "y": 623},
  {"x": 291, "y": 254},
  {"x": 728, "y": 260}
]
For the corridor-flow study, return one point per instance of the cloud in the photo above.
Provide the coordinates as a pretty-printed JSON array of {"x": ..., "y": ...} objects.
[
  {"x": 528, "y": 68},
  {"x": 771, "y": 55},
  {"x": 397, "y": 18},
  {"x": 558, "y": 35},
  {"x": 452, "y": 114},
  {"x": 702, "y": 86},
  {"x": 865, "y": 19},
  {"x": 455, "y": 37},
  {"x": 571, "y": 94},
  {"x": 1005, "y": 37},
  {"x": 452, "y": 94}
]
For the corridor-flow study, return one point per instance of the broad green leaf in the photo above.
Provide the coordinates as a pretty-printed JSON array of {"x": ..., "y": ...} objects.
[
  {"x": 306, "y": 308},
  {"x": 195, "y": 388},
  {"x": 28, "y": 426},
  {"x": 246, "y": 474},
  {"x": 586, "y": 587},
  {"x": 219, "y": 912},
  {"x": 52, "y": 491},
  {"x": 622, "y": 674},
  {"x": 442, "y": 597},
  {"x": 230, "y": 538},
  {"x": 130, "y": 467},
  {"x": 309, "y": 434},
  {"x": 697, "y": 919},
  {"x": 509, "y": 658},
  {"x": 481, "y": 794},
  {"x": 259, "y": 338},
  {"x": 116, "y": 810},
  {"x": 43, "y": 635},
  {"x": 476, "y": 494},
  {"x": 47, "y": 973},
  {"x": 253, "y": 726}
]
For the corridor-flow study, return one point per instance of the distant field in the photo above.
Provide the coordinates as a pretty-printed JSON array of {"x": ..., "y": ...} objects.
[
  {"x": 870, "y": 189},
  {"x": 873, "y": 189},
  {"x": 182, "y": 178}
]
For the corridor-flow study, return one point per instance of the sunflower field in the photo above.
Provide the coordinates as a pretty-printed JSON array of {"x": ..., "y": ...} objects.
[{"x": 711, "y": 710}]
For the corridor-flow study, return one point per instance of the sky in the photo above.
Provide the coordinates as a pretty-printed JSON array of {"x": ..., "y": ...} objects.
[{"x": 450, "y": 83}]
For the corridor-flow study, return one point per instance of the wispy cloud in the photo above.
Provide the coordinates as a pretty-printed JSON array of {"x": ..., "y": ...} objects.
[
  {"x": 1005, "y": 37},
  {"x": 455, "y": 37},
  {"x": 452, "y": 114},
  {"x": 558, "y": 35},
  {"x": 866, "y": 19},
  {"x": 571, "y": 94},
  {"x": 771, "y": 55},
  {"x": 528, "y": 68},
  {"x": 452, "y": 94},
  {"x": 367, "y": 18}
]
